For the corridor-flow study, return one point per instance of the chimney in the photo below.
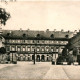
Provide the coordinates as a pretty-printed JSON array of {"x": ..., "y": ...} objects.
[
  {"x": 10, "y": 31},
  {"x": 75, "y": 32},
  {"x": 47, "y": 30},
  {"x": 68, "y": 31},
  {"x": 20, "y": 29},
  {"x": 62, "y": 30},
  {"x": 54, "y": 30}
]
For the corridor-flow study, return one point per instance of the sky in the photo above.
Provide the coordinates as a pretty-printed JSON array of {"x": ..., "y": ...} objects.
[{"x": 42, "y": 15}]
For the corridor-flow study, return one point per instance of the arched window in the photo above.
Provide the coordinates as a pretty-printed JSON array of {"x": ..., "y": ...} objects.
[{"x": 52, "y": 36}]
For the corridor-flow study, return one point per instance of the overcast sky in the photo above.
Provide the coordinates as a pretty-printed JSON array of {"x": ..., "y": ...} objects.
[{"x": 36, "y": 15}]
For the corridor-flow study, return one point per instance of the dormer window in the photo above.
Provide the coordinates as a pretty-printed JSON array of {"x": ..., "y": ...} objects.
[
  {"x": 38, "y": 35},
  {"x": 24, "y": 35},
  {"x": 52, "y": 36},
  {"x": 67, "y": 36},
  {"x": 8, "y": 34}
]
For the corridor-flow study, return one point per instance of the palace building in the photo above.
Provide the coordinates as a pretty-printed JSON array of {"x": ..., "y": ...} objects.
[{"x": 46, "y": 45}]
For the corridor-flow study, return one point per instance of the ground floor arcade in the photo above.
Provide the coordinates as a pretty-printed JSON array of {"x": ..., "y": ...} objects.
[{"x": 38, "y": 57}]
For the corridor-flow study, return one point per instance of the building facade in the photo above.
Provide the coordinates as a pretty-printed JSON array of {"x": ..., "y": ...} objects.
[{"x": 47, "y": 45}]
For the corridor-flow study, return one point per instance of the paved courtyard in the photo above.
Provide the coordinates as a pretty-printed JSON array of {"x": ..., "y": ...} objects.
[{"x": 41, "y": 70}]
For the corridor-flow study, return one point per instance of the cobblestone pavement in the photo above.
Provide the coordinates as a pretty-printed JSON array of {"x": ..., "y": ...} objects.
[{"x": 41, "y": 70}]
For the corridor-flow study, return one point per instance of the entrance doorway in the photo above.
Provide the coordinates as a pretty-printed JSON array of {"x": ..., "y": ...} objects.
[
  {"x": 38, "y": 58},
  {"x": 42, "y": 58},
  {"x": 32, "y": 57}
]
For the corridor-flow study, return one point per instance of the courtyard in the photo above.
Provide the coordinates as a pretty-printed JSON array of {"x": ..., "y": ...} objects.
[{"x": 41, "y": 70}]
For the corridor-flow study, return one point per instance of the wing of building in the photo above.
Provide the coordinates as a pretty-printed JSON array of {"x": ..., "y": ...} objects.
[{"x": 45, "y": 43}]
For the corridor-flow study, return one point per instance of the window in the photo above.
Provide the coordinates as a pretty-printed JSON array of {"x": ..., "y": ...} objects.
[
  {"x": 28, "y": 49},
  {"x": 10, "y": 41},
  {"x": 56, "y": 50},
  {"x": 13, "y": 48},
  {"x": 7, "y": 40},
  {"x": 38, "y": 35},
  {"x": 33, "y": 48},
  {"x": 7, "y": 48},
  {"x": 52, "y": 41},
  {"x": 66, "y": 42},
  {"x": 8, "y": 34},
  {"x": 24, "y": 35},
  {"x": 47, "y": 49},
  {"x": 52, "y": 49},
  {"x": 47, "y": 42},
  {"x": 42, "y": 41},
  {"x": 67, "y": 36},
  {"x": 56, "y": 41},
  {"x": 33, "y": 41},
  {"x": 38, "y": 49},
  {"x": 23, "y": 41},
  {"x": 26, "y": 41},
  {"x": 13, "y": 41},
  {"x": 62, "y": 42},
  {"x": 52, "y": 36},
  {"x": 38, "y": 41},
  {"x": 24, "y": 49},
  {"x": 30, "y": 41},
  {"x": 18, "y": 48},
  {"x": 18, "y": 41},
  {"x": 42, "y": 49}
]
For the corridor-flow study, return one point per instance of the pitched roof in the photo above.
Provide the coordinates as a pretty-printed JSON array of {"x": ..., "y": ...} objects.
[{"x": 35, "y": 34}]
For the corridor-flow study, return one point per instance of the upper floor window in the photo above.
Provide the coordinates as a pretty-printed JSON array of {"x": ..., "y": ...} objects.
[
  {"x": 18, "y": 48},
  {"x": 33, "y": 41},
  {"x": 52, "y": 49},
  {"x": 43, "y": 41},
  {"x": 26, "y": 41},
  {"x": 56, "y": 41},
  {"x": 13, "y": 41},
  {"x": 42, "y": 49},
  {"x": 47, "y": 49},
  {"x": 38, "y": 48},
  {"x": 24, "y": 49},
  {"x": 28, "y": 49},
  {"x": 13, "y": 48},
  {"x": 7, "y": 48},
  {"x": 7, "y": 40},
  {"x": 23, "y": 41},
  {"x": 18, "y": 41},
  {"x": 33, "y": 48},
  {"x": 37, "y": 41},
  {"x": 47, "y": 41}
]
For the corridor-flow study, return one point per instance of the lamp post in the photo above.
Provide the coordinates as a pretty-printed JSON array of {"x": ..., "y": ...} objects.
[{"x": 34, "y": 56}]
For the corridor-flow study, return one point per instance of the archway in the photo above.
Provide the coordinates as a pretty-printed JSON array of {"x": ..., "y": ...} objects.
[
  {"x": 42, "y": 58},
  {"x": 32, "y": 57},
  {"x": 38, "y": 58}
]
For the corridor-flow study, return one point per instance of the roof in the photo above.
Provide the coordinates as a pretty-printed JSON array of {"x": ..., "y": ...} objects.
[{"x": 28, "y": 34}]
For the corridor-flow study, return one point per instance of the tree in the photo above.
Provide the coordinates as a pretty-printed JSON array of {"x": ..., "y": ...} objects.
[
  {"x": 4, "y": 16},
  {"x": 64, "y": 52},
  {"x": 2, "y": 51}
]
